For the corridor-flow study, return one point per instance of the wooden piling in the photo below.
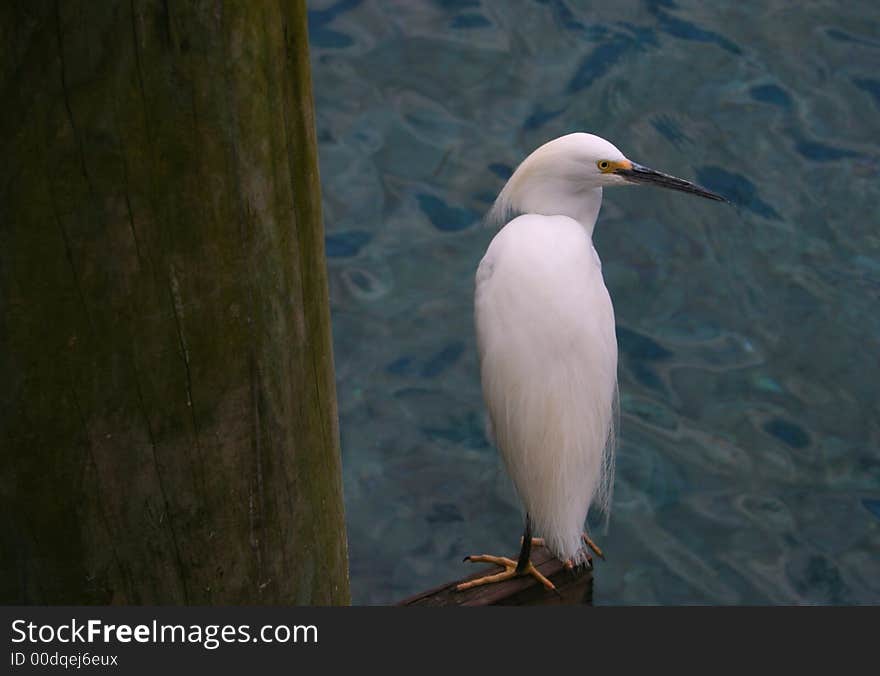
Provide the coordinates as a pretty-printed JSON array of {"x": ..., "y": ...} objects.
[{"x": 168, "y": 425}]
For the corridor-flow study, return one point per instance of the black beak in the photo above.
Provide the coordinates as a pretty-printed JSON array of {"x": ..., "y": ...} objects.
[{"x": 639, "y": 174}]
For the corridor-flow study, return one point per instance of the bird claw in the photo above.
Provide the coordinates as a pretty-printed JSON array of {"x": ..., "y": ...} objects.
[
  {"x": 508, "y": 573},
  {"x": 592, "y": 545}
]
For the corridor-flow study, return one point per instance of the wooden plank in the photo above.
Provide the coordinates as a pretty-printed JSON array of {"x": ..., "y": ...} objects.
[{"x": 573, "y": 587}]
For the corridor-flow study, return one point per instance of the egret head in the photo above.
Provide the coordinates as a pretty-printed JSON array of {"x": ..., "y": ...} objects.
[{"x": 565, "y": 177}]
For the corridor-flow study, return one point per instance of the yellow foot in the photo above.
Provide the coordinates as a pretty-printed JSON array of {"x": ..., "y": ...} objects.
[
  {"x": 592, "y": 545},
  {"x": 508, "y": 573}
]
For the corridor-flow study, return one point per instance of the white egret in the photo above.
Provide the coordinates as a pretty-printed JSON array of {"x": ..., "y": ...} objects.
[{"x": 547, "y": 344}]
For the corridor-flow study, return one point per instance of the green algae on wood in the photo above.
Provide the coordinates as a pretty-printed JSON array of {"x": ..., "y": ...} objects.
[{"x": 167, "y": 407}]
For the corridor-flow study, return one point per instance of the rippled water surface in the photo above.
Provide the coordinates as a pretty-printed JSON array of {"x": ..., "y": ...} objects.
[{"x": 749, "y": 463}]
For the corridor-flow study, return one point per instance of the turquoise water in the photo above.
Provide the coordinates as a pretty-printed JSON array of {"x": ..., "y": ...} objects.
[{"x": 749, "y": 463}]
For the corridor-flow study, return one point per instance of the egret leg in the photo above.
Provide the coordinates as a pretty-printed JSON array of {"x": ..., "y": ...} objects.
[{"x": 522, "y": 566}]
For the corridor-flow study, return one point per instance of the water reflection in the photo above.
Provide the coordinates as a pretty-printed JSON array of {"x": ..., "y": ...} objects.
[{"x": 749, "y": 469}]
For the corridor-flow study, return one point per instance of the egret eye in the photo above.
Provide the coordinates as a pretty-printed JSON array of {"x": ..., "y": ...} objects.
[{"x": 604, "y": 165}]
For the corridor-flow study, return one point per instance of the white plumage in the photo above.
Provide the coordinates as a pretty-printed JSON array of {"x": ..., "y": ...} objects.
[
  {"x": 546, "y": 337},
  {"x": 547, "y": 345}
]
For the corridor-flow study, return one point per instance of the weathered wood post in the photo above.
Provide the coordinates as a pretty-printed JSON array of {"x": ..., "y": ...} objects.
[{"x": 167, "y": 404}]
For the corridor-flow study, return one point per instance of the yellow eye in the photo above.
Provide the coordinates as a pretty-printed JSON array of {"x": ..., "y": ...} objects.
[{"x": 604, "y": 165}]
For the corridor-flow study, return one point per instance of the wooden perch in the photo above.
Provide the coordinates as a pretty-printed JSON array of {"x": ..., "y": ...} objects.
[{"x": 573, "y": 587}]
